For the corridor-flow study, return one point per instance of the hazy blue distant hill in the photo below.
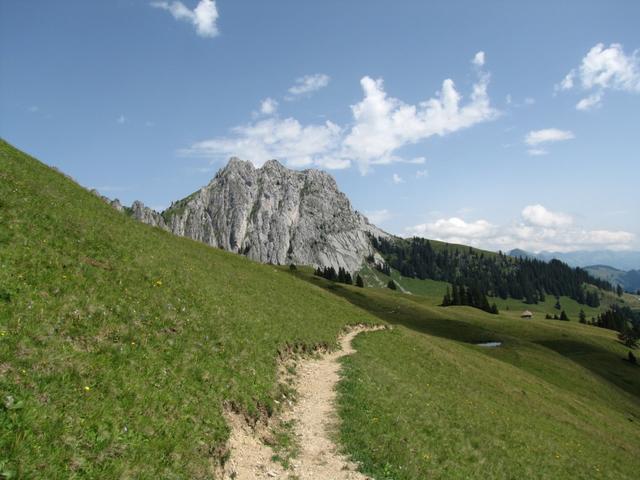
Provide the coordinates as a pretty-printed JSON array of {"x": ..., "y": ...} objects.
[
  {"x": 621, "y": 260},
  {"x": 630, "y": 280}
]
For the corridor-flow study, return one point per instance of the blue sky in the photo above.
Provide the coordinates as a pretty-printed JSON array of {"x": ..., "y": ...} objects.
[{"x": 502, "y": 124}]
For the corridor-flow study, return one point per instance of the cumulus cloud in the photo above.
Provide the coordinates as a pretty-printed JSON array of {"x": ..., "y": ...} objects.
[
  {"x": 381, "y": 126},
  {"x": 537, "y": 229},
  {"x": 422, "y": 173},
  {"x": 539, "y": 216},
  {"x": 269, "y": 106},
  {"x": 285, "y": 139},
  {"x": 603, "y": 69},
  {"x": 454, "y": 230},
  {"x": 203, "y": 17},
  {"x": 478, "y": 60},
  {"x": 308, "y": 84},
  {"x": 547, "y": 135},
  {"x": 592, "y": 101}
]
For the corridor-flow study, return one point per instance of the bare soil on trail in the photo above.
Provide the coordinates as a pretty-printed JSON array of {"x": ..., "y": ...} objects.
[{"x": 315, "y": 420}]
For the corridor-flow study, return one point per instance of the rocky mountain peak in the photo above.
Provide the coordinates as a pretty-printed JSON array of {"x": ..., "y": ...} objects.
[{"x": 273, "y": 215}]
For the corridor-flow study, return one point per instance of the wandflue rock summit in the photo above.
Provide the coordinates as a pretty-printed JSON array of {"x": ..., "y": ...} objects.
[{"x": 273, "y": 215}]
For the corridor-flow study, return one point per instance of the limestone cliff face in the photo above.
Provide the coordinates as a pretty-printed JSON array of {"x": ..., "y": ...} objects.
[
  {"x": 147, "y": 215},
  {"x": 272, "y": 215}
]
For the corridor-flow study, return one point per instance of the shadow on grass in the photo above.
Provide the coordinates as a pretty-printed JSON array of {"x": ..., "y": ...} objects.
[
  {"x": 598, "y": 360},
  {"x": 614, "y": 369}
]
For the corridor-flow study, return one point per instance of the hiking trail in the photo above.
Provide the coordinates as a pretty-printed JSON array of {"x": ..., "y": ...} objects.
[{"x": 314, "y": 419}]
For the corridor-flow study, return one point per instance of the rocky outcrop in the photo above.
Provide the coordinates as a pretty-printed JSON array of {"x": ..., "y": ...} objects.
[
  {"x": 272, "y": 215},
  {"x": 147, "y": 215},
  {"x": 117, "y": 205}
]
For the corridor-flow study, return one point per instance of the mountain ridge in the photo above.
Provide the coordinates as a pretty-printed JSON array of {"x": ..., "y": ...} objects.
[
  {"x": 621, "y": 260},
  {"x": 271, "y": 214}
]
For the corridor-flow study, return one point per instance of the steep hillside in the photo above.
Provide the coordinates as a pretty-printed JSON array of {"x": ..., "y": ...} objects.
[
  {"x": 273, "y": 215},
  {"x": 120, "y": 343}
]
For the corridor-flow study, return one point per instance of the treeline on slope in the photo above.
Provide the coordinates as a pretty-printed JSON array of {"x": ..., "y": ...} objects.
[
  {"x": 620, "y": 318},
  {"x": 470, "y": 296},
  {"x": 496, "y": 275},
  {"x": 340, "y": 276}
]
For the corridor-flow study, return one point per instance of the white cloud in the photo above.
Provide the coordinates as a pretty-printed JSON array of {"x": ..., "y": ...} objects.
[
  {"x": 381, "y": 126},
  {"x": 422, "y": 173},
  {"x": 537, "y": 152},
  {"x": 604, "y": 69},
  {"x": 269, "y": 106},
  {"x": 527, "y": 102},
  {"x": 537, "y": 229},
  {"x": 478, "y": 60},
  {"x": 397, "y": 179},
  {"x": 454, "y": 230},
  {"x": 384, "y": 124},
  {"x": 378, "y": 217},
  {"x": 539, "y": 216},
  {"x": 536, "y": 137},
  {"x": 567, "y": 81},
  {"x": 203, "y": 17},
  {"x": 284, "y": 139},
  {"x": 308, "y": 84},
  {"x": 121, "y": 119},
  {"x": 592, "y": 101}
]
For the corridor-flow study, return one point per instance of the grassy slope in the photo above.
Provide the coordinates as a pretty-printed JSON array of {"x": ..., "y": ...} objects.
[
  {"x": 555, "y": 401},
  {"x": 120, "y": 343}
]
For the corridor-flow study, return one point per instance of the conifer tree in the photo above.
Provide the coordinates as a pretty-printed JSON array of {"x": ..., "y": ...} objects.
[
  {"x": 446, "y": 301},
  {"x": 455, "y": 300},
  {"x": 359, "y": 281}
]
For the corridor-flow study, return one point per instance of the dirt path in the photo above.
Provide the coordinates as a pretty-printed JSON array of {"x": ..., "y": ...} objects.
[{"x": 314, "y": 419}]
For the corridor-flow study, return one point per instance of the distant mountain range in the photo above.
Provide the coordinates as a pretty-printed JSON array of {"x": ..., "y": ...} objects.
[
  {"x": 630, "y": 280},
  {"x": 618, "y": 268},
  {"x": 621, "y": 260}
]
